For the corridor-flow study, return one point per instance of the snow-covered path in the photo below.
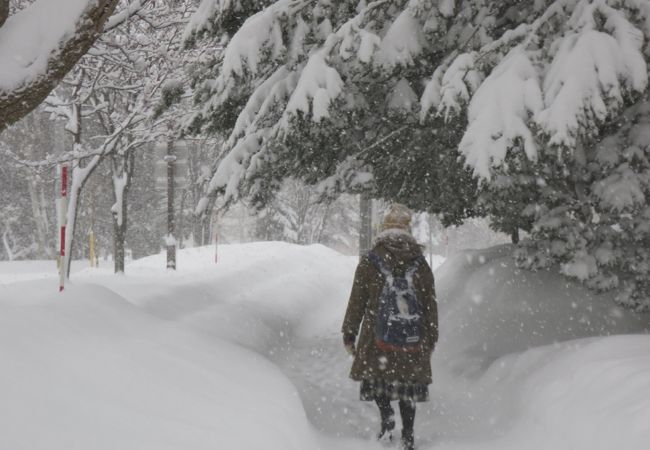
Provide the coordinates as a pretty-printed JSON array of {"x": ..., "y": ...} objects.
[
  {"x": 318, "y": 368},
  {"x": 291, "y": 315},
  {"x": 249, "y": 351}
]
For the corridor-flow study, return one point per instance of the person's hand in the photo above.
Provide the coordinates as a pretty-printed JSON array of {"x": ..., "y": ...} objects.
[{"x": 348, "y": 342}]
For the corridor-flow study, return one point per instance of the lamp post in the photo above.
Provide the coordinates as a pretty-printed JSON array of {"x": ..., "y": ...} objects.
[
  {"x": 170, "y": 240},
  {"x": 62, "y": 221}
]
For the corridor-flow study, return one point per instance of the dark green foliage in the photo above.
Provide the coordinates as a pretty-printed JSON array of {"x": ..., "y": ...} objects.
[
  {"x": 591, "y": 213},
  {"x": 510, "y": 196},
  {"x": 170, "y": 95},
  {"x": 227, "y": 21}
]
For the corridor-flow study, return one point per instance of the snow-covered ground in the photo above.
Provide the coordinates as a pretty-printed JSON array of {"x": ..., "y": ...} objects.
[{"x": 246, "y": 354}]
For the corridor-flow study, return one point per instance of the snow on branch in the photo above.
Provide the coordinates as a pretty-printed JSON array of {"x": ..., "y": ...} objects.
[
  {"x": 247, "y": 140},
  {"x": 272, "y": 91},
  {"x": 387, "y": 42},
  {"x": 591, "y": 74},
  {"x": 212, "y": 16},
  {"x": 499, "y": 113},
  {"x": 458, "y": 75},
  {"x": 260, "y": 34},
  {"x": 458, "y": 84},
  {"x": 362, "y": 43},
  {"x": 319, "y": 83},
  {"x": 232, "y": 168},
  {"x": 247, "y": 136},
  {"x": 589, "y": 70},
  {"x": 108, "y": 146},
  {"x": 39, "y": 45},
  {"x": 125, "y": 14},
  {"x": 402, "y": 43},
  {"x": 643, "y": 8},
  {"x": 200, "y": 20}
]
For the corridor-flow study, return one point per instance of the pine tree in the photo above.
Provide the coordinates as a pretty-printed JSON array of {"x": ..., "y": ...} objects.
[
  {"x": 553, "y": 133},
  {"x": 409, "y": 99},
  {"x": 330, "y": 93}
]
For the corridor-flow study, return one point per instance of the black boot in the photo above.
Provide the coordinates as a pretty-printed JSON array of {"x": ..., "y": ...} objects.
[
  {"x": 407, "y": 410},
  {"x": 387, "y": 419},
  {"x": 408, "y": 441},
  {"x": 387, "y": 427}
]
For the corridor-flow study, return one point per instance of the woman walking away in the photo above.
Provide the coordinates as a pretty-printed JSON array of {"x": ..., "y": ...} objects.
[{"x": 392, "y": 309}]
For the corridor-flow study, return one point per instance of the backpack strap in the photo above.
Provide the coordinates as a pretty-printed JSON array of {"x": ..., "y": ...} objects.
[
  {"x": 380, "y": 264},
  {"x": 416, "y": 263}
]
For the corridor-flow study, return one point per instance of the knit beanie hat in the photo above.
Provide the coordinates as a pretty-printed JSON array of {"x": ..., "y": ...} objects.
[{"x": 398, "y": 216}]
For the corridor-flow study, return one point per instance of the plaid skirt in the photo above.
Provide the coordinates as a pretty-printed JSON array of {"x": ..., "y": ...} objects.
[{"x": 394, "y": 390}]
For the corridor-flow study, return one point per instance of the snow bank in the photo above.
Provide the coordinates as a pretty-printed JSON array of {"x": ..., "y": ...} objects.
[
  {"x": 523, "y": 363},
  {"x": 191, "y": 359},
  {"x": 283, "y": 303},
  {"x": 23, "y": 270},
  {"x": 490, "y": 308},
  {"x": 582, "y": 395},
  {"x": 255, "y": 294},
  {"x": 89, "y": 370}
]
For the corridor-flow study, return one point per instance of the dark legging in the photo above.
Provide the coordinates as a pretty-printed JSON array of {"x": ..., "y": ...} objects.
[{"x": 406, "y": 410}]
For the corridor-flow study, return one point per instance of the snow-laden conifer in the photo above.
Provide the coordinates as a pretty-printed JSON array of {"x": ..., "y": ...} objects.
[
  {"x": 548, "y": 136},
  {"x": 413, "y": 94},
  {"x": 326, "y": 90}
]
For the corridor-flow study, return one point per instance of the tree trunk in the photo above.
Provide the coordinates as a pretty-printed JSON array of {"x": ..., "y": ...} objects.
[
  {"x": 181, "y": 221},
  {"x": 7, "y": 244},
  {"x": 40, "y": 225},
  {"x": 79, "y": 178},
  {"x": 35, "y": 189},
  {"x": 119, "y": 223},
  {"x": 430, "y": 219},
  {"x": 203, "y": 221},
  {"x": 199, "y": 230},
  {"x": 323, "y": 224},
  {"x": 118, "y": 247},
  {"x": 122, "y": 168},
  {"x": 4, "y": 11},
  {"x": 515, "y": 236},
  {"x": 45, "y": 220},
  {"x": 170, "y": 240},
  {"x": 365, "y": 232}
]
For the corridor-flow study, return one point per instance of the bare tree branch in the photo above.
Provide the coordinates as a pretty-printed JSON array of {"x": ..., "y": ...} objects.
[
  {"x": 107, "y": 147},
  {"x": 17, "y": 103}
]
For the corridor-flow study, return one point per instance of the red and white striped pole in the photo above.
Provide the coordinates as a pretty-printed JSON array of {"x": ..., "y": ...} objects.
[{"x": 62, "y": 221}]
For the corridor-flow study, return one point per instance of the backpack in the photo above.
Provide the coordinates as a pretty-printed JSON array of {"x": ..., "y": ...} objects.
[{"x": 398, "y": 325}]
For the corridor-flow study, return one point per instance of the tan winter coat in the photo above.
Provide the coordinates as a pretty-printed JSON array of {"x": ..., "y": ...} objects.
[{"x": 397, "y": 249}]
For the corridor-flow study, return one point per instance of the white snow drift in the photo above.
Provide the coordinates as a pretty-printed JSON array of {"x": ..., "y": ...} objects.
[{"x": 195, "y": 359}]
